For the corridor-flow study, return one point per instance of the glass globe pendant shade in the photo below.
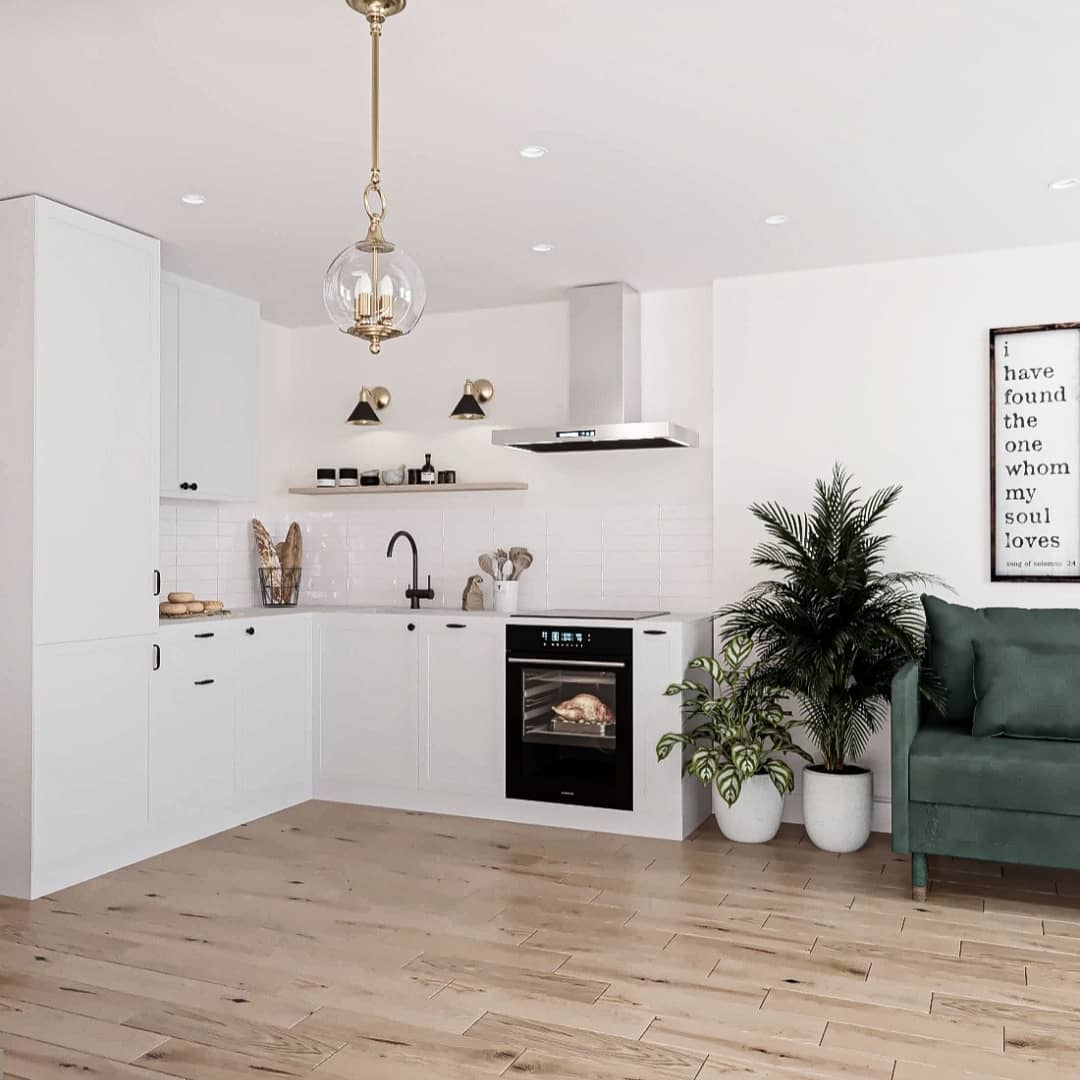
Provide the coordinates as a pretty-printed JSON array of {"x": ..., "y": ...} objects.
[{"x": 374, "y": 291}]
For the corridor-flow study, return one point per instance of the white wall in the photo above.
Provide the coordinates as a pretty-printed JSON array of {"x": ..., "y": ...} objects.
[
  {"x": 883, "y": 367},
  {"x": 632, "y": 529}
]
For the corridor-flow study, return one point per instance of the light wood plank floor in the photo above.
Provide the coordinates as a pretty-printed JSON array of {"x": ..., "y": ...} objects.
[{"x": 375, "y": 944}]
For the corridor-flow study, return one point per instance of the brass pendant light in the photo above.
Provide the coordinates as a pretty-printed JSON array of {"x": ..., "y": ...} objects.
[{"x": 374, "y": 290}]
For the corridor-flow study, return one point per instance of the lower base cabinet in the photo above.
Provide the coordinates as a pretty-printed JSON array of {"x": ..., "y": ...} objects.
[
  {"x": 90, "y": 780},
  {"x": 462, "y": 739},
  {"x": 192, "y": 735},
  {"x": 230, "y": 723},
  {"x": 273, "y": 709},
  {"x": 368, "y": 699},
  {"x": 411, "y": 704}
]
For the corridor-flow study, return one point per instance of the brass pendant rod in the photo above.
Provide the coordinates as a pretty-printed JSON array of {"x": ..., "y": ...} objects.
[{"x": 376, "y": 22}]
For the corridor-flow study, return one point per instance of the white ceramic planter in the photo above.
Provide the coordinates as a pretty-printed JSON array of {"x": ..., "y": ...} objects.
[
  {"x": 837, "y": 807},
  {"x": 755, "y": 817}
]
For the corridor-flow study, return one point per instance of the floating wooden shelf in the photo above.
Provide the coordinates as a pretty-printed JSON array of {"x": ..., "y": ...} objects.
[{"x": 412, "y": 489}]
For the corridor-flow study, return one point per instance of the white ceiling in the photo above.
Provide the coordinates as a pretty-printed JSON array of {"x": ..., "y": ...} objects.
[{"x": 883, "y": 129}]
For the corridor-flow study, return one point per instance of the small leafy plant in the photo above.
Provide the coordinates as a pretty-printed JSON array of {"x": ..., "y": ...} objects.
[{"x": 744, "y": 731}]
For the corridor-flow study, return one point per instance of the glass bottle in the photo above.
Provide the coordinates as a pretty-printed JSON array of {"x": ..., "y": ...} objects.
[{"x": 427, "y": 473}]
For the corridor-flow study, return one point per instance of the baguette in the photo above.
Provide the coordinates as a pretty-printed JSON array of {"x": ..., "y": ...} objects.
[
  {"x": 293, "y": 554},
  {"x": 264, "y": 546}
]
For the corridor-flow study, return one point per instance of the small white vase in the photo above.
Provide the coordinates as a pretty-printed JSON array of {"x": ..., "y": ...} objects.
[
  {"x": 755, "y": 817},
  {"x": 506, "y": 596},
  {"x": 837, "y": 807}
]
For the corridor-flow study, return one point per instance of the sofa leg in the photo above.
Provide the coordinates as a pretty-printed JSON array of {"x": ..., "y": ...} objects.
[{"x": 919, "y": 877}]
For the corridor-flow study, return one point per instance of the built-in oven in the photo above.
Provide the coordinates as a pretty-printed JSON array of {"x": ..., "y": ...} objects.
[{"x": 570, "y": 715}]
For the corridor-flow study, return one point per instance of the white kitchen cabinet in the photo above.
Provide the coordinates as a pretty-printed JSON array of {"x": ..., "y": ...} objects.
[
  {"x": 369, "y": 700},
  {"x": 79, "y": 347},
  {"x": 209, "y": 392},
  {"x": 273, "y": 711},
  {"x": 90, "y": 782},
  {"x": 192, "y": 734},
  {"x": 95, "y": 427},
  {"x": 462, "y": 705}
]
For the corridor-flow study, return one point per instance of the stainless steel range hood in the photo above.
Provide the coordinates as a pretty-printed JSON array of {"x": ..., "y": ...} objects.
[{"x": 605, "y": 382}]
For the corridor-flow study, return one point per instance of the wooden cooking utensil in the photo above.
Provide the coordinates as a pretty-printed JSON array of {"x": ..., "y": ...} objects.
[{"x": 521, "y": 559}]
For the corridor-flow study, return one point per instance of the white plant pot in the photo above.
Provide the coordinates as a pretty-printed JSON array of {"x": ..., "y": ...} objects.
[
  {"x": 837, "y": 807},
  {"x": 755, "y": 817},
  {"x": 506, "y": 596}
]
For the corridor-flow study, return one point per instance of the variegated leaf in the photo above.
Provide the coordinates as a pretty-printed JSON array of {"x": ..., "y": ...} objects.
[{"x": 728, "y": 784}]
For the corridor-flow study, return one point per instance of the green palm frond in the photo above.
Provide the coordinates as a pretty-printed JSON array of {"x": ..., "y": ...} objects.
[{"x": 832, "y": 626}]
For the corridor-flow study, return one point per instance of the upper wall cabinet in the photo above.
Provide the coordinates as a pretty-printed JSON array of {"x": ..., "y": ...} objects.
[{"x": 209, "y": 392}]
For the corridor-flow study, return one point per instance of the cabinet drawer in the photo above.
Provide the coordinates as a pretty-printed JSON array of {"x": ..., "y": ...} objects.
[{"x": 198, "y": 654}]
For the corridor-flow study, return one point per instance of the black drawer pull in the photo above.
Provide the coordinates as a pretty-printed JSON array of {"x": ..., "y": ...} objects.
[
  {"x": 411, "y": 626},
  {"x": 456, "y": 626},
  {"x": 203, "y": 682},
  {"x": 656, "y": 633},
  {"x": 250, "y": 631},
  {"x": 184, "y": 486},
  {"x": 194, "y": 487},
  {"x": 157, "y": 657},
  {"x": 157, "y": 582},
  {"x": 209, "y": 633}
]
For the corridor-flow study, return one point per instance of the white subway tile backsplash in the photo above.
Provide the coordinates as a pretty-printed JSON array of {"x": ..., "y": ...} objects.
[{"x": 621, "y": 555}]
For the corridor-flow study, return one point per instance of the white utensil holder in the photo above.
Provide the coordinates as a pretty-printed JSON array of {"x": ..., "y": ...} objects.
[{"x": 506, "y": 596}]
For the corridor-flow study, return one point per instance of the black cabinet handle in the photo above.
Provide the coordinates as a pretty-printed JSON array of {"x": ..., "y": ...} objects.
[
  {"x": 456, "y": 626},
  {"x": 656, "y": 633},
  {"x": 184, "y": 486},
  {"x": 203, "y": 682},
  {"x": 194, "y": 487},
  {"x": 209, "y": 633},
  {"x": 411, "y": 626},
  {"x": 250, "y": 631},
  {"x": 157, "y": 657},
  {"x": 157, "y": 582}
]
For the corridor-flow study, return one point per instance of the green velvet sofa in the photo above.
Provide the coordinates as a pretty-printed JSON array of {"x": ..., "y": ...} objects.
[{"x": 995, "y": 797}]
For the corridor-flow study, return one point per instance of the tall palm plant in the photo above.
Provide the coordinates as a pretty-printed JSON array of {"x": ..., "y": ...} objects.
[{"x": 833, "y": 627}]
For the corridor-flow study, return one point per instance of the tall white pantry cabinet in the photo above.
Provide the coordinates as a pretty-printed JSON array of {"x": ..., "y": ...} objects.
[{"x": 79, "y": 480}]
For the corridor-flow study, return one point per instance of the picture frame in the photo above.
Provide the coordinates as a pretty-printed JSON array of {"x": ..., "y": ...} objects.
[{"x": 1035, "y": 453}]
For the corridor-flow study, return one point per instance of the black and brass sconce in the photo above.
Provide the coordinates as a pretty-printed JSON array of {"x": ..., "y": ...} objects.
[
  {"x": 476, "y": 391},
  {"x": 364, "y": 415}
]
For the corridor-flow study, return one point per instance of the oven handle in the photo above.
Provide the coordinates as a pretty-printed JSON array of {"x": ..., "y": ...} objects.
[{"x": 566, "y": 663}]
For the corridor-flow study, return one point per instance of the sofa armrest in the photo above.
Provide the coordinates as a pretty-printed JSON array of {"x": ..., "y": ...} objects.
[{"x": 904, "y": 725}]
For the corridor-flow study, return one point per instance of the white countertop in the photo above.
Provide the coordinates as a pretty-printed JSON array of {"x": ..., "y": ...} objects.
[{"x": 429, "y": 612}]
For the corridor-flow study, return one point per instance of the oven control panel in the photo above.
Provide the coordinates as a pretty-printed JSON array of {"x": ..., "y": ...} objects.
[
  {"x": 566, "y": 639},
  {"x": 582, "y": 641}
]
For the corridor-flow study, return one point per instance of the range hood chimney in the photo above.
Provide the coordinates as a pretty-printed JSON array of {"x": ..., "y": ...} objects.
[{"x": 605, "y": 382}]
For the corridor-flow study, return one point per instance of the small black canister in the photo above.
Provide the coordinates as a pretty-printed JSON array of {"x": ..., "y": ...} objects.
[
  {"x": 348, "y": 476},
  {"x": 447, "y": 476},
  {"x": 325, "y": 477}
]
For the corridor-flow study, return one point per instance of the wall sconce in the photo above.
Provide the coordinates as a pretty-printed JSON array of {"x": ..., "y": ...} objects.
[
  {"x": 476, "y": 391},
  {"x": 364, "y": 415}
]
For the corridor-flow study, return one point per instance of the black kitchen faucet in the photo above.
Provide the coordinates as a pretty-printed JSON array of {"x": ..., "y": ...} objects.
[{"x": 415, "y": 594}]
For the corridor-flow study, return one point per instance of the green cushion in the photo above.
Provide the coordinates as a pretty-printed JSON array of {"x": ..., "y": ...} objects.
[
  {"x": 959, "y": 769},
  {"x": 952, "y": 629},
  {"x": 1028, "y": 691}
]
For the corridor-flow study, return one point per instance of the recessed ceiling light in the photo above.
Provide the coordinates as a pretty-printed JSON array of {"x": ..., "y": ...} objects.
[
  {"x": 543, "y": 249},
  {"x": 193, "y": 198},
  {"x": 1065, "y": 183},
  {"x": 533, "y": 151},
  {"x": 776, "y": 219}
]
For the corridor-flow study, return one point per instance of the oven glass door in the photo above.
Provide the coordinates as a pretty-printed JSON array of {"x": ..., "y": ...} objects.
[{"x": 570, "y": 733}]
